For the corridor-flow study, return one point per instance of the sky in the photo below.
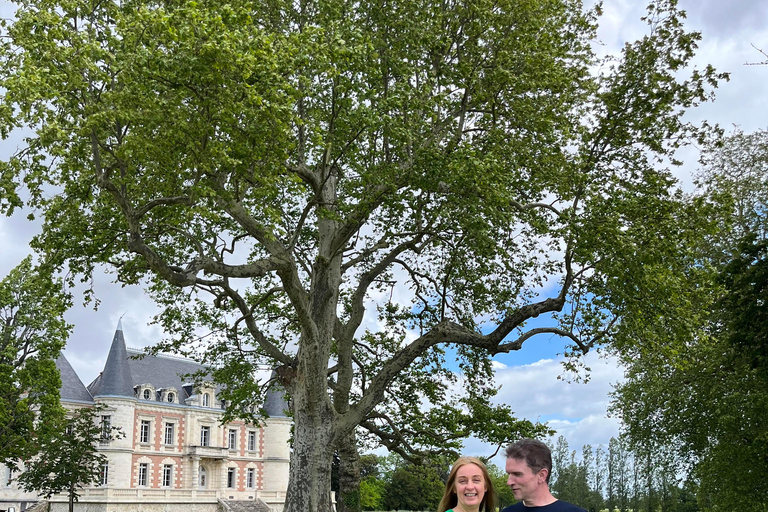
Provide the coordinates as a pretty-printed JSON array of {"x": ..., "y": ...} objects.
[{"x": 529, "y": 379}]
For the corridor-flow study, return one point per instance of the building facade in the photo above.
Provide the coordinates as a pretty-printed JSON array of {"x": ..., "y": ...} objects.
[{"x": 176, "y": 454}]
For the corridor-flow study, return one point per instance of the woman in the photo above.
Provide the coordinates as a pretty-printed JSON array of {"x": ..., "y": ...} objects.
[{"x": 469, "y": 488}]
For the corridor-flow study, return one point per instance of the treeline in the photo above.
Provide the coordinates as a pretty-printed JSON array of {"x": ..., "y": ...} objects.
[
  {"x": 619, "y": 478},
  {"x": 612, "y": 477},
  {"x": 389, "y": 483}
]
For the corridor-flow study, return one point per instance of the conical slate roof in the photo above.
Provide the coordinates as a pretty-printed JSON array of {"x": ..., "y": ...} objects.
[
  {"x": 115, "y": 380},
  {"x": 275, "y": 404},
  {"x": 72, "y": 388}
]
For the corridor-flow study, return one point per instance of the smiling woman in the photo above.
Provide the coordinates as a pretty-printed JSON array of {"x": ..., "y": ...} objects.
[{"x": 469, "y": 488}]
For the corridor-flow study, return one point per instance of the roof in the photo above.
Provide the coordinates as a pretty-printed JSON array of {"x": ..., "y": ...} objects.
[
  {"x": 72, "y": 388},
  {"x": 161, "y": 371},
  {"x": 115, "y": 380},
  {"x": 123, "y": 371},
  {"x": 275, "y": 404}
]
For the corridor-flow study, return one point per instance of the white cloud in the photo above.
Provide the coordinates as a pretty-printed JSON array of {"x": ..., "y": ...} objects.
[
  {"x": 496, "y": 365},
  {"x": 576, "y": 410}
]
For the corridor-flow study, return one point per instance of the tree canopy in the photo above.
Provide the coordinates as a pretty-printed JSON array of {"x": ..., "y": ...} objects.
[
  {"x": 702, "y": 399},
  {"x": 359, "y": 192},
  {"x": 32, "y": 335},
  {"x": 67, "y": 455}
]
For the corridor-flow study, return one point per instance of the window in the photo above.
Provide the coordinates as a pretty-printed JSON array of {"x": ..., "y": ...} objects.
[
  {"x": 205, "y": 436},
  {"x": 206, "y": 400},
  {"x": 144, "y": 432},
  {"x": 146, "y": 394},
  {"x": 231, "y": 478},
  {"x": 104, "y": 475},
  {"x": 232, "y": 442},
  {"x": 202, "y": 480},
  {"x": 169, "y": 428},
  {"x": 251, "y": 482},
  {"x": 106, "y": 428},
  {"x": 143, "y": 468},
  {"x": 251, "y": 441},
  {"x": 167, "y": 475},
  {"x": 171, "y": 397}
]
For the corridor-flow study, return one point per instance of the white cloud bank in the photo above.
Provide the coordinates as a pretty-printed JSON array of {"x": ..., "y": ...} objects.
[{"x": 577, "y": 410}]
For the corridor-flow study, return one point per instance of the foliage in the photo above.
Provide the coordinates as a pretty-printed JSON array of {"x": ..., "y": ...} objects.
[
  {"x": 413, "y": 488},
  {"x": 504, "y": 494},
  {"x": 68, "y": 459},
  {"x": 361, "y": 193},
  {"x": 32, "y": 334},
  {"x": 372, "y": 492},
  {"x": 702, "y": 399},
  {"x": 744, "y": 305},
  {"x": 571, "y": 481}
]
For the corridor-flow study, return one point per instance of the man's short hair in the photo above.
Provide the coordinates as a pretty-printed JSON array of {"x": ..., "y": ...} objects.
[{"x": 536, "y": 454}]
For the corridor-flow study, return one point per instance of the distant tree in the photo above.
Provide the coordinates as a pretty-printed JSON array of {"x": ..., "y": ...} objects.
[
  {"x": 415, "y": 488},
  {"x": 32, "y": 335},
  {"x": 372, "y": 492},
  {"x": 67, "y": 458},
  {"x": 561, "y": 455},
  {"x": 572, "y": 485},
  {"x": 370, "y": 465},
  {"x": 620, "y": 469},
  {"x": 504, "y": 494},
  {"x": 598, "y": 475}
]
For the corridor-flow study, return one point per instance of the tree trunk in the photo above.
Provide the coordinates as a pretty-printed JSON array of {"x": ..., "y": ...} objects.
[
  {"x": 309, "y": 485},
  {"x": 349, "y": 475},
  {"x": 72, "y": 499}
]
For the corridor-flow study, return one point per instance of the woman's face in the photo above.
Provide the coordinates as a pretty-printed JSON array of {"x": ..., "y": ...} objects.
[{"x": 470, "y": 486}]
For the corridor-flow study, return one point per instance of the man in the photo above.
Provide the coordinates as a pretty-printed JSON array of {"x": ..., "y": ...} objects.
[{"x": 529, "y": 463}]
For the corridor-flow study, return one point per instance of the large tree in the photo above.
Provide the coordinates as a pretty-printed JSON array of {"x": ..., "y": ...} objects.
[
  {"x": 702, "y": 399},
  {"x": 32, "y": 334},
  {"x": 355, "y": 191}
]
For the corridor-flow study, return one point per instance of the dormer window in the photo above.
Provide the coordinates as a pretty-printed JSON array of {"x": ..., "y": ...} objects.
[
  {"x": 169, "y": 395},
  {"x": 206, "y": 400},
  {"x": 145, "y": 391}
]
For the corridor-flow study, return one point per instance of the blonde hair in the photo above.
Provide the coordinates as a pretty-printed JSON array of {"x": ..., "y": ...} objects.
[{"x": 450, "y": 499}]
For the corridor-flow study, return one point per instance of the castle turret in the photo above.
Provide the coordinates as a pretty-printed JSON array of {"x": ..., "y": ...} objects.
[{"x": 115, "y": 380}]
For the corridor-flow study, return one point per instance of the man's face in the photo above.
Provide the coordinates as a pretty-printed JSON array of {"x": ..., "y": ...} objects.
[{"x": 524, "y": 482}]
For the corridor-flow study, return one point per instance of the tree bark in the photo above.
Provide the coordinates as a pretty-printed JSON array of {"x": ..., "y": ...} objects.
[
  {"x": 349, "y": 475},
  {"x": 310, "y": 471}
]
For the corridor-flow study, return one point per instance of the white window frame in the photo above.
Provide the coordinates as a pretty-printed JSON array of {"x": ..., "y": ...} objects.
[
  {"x": 143, "y": 474},
  {"x": 232, "y": 439},
  {"x": 169, "y": 435},
  {"x": 167, "y": 475},
  {"x": 145, "y": 428},
  {"x": 146, "y": 394},
  {"x": 206, "y": 400},
  {"x": 104, "y": 476},
  {"x": 205, "y": 435},
  {"x": 231, "y": 478},
  {"x": 251, "y": 478},
  {"x": 251, "y": 440}
]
